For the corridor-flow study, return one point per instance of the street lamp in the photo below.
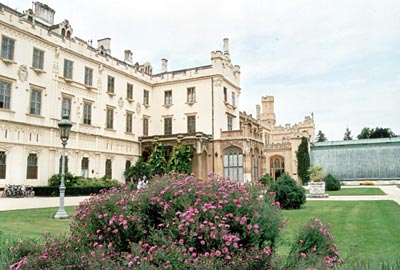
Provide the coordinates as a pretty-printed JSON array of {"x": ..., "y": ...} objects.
[{"x": 65, "y": 127}]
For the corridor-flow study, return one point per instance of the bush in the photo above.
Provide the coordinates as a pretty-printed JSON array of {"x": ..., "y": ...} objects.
[
  {"x": 266, "y": 179},
  {"x": 136, "y": 172},
  {"x": 69, "y": 180},
  {"x": 77, "y": 181},
  {"x": 331, "y": 183},
  {"x": 288, "y": 193},
  {"x": 70, "y": 191},
  {"x": 176, "y": 223},
  {"x": 314, "y": 247}
]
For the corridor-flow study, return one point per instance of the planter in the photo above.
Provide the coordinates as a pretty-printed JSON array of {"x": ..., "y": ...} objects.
[{"x": 317, "y": 190}]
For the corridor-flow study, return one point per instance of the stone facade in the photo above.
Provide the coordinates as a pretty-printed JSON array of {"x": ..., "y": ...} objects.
[{"x": 119, "y": 108}]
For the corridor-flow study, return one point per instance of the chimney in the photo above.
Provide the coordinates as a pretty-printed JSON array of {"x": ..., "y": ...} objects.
[
  {"x": 44, "y": 13},
  {"x": 128, "y": 56},
  {"x": 104, "y": 45},
  {"x": 164, "y": 65},
  {"x": 226, "y": 46}
]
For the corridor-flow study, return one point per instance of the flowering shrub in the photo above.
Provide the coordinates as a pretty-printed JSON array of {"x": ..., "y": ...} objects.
[
  {"x": 178, "y": 222},
  {"x": 314, "y": 247}
]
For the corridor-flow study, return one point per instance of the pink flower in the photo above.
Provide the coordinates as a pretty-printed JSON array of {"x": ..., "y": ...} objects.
[
  {"x": 218, "y": 253},
  {"x": 303, "y": 255}
]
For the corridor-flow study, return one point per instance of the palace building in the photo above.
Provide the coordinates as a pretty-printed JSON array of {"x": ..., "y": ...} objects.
[{"x": 119, "y": 108}]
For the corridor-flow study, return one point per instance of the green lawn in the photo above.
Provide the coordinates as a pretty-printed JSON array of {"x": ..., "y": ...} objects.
[
  {"x": 355, "y": 192},
  {"x": 31, "y": 223},
  {"x": 367, "y": 228}
]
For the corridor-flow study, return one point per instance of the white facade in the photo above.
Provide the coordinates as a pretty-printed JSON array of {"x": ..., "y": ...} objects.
[{"x": 43, "y": 66}]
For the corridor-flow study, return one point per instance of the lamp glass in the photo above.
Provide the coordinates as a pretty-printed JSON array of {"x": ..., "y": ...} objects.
[{"x": 65, "y": 127}]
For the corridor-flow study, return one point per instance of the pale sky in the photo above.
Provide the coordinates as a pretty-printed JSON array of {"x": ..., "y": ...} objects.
[{"x": 339, "y": 59}]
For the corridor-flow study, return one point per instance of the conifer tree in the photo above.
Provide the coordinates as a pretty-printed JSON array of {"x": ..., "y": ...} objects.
[{"x": 303, "y": 160}]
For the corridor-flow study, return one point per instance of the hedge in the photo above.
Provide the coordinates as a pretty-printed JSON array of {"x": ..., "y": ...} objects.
[{"x": 71, "y": 191}]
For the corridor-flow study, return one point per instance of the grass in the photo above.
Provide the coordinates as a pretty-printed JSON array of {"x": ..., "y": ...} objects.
[
  {"x": 355, "y": 192},
  {"x": 367, "y": 228},
  {"x": 366, "y": 232},
  {"x": 32, "y": 223}
]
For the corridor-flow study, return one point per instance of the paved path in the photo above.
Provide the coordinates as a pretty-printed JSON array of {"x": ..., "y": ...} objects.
[
  {"x": 393, "y": 193},
  {"x": 37, "y": 202}
]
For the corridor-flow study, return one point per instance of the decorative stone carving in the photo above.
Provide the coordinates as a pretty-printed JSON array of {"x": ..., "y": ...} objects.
[
  {"x": 120, "y": 102},
  {"x": 138, "y": 107},
  {"x": 23, "y": 73}
]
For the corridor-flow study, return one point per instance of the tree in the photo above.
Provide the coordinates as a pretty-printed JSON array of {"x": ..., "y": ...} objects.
[
  {"x": 136, "y": 172},
  {"x": 321, "y": 137},
  {"x": 181, "y": 160},
  {"x": 156, "y": 161},
  {"x": 382, "y": 133},
  {"x": 367, "y": 133},
  {"x": 347, "y": 135},
  {"x": 303, "y": 160}
]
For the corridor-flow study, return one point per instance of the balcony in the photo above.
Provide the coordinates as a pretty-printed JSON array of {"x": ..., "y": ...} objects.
[{"x": 241, "y": 134}]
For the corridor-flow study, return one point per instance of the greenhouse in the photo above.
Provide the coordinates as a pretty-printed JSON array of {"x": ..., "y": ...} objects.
[{"x": 371, "y": 159}]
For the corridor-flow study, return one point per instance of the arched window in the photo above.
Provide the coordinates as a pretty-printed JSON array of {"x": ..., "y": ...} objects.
[
  {"x": 255, "y": 166},
  {"x": 3, "y": 164},
  {"x": 277, "y": 166},
  {"x": 85, "y": 167},
  {"x": 109, "y": 168},
  {"x": 32, "y": 167},
  {"x": 233, "y": 163},
  {"x": 60, "y": 165}
]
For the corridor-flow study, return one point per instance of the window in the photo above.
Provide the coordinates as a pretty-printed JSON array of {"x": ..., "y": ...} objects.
[
  {"x": 255, "y": 166},
  {"x": 5, "y": 93},
  {"x": 68, "y": 68},
  {"x": 127, "y": 164},
  {"x": 110, "y": 118},
  {"x": 230, "y": 120},
  {"x": 32, "y": 168},
  {"x": 38, "y": 59},
  {"x": 110, "y": 84},
  {"x": 191, "y": 95},
  {"x": 85, "y": 167},
  {"x": 145, "y": 126},
  {"x": 108, "y": 168},
  {"x": 3, "y": 165},
  {"x": 36, "y": 100},
  {"x": 225, "y": 94},
  {"x": 146, "y": 97},
  {"x": 88, "y": 76},
  {"x": 7, "y": 48},
  {"x": 168, "y": 97},
  {"x": 66, "y": 165},
  {"x": 233, "y": 99},
  {"x": 277, "y": 166},
  {"x": 128, "y": 122},
  {"x": 129, "y": 91},
  {"x": 66, "y": 107},
  {"x": 168, "y": 126},
  {"x": 233, "y": 164},
  {"x": 87, "y": 113},
  {"x": 191, "y": 124}
]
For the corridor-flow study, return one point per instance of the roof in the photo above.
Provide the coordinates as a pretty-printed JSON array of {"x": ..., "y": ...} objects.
[{"x": 358, "y": 142}]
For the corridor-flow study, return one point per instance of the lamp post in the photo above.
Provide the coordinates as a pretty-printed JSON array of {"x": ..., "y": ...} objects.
[{"x": 65, "y": 127}]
